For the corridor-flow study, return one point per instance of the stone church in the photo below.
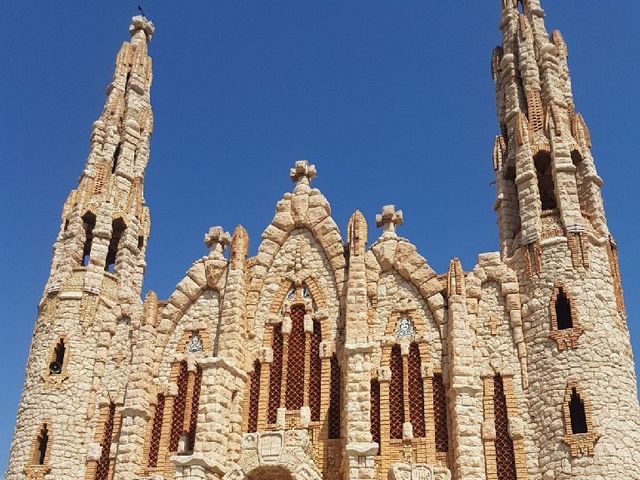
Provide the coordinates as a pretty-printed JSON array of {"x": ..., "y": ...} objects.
[{"x": 323, "y": 357}]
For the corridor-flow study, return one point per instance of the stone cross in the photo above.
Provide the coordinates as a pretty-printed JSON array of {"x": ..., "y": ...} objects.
[
  {"x": 302, "y": 173},
  {"x": 389, "y": 218},
  {"x": 217, "y": 240}
]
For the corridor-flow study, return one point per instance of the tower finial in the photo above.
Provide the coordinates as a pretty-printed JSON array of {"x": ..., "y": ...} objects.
[
  {"x": 388, "y": 219},
  {"x": 141, "y": 24},
  {"x": 302, "y": 173}
]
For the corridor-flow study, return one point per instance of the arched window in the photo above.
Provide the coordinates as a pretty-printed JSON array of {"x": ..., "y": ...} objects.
[
  {"x": 577, "y": 413},
  {"x": 563, "y": 311},
  {"x": 546, "y": 188},
  {"x": 42, "y": 446},
  {"x": 440, "y": 414},
  {"x": 275, "y": 376},
  {"x": 103, "y": 466},
  {"x": 334, "y": 399},
  {"x": 117, "y": 231},
  {"x": 294, "y": 398},
  {"x": 156, "y": 432},
  {"x": 505, "y": 457},
  {"x": 89, "y": 223},
  {"x": 55, "y": 367},
  {"x": 375, "y": 412},
  {"x": 254, "y": 397},
  {"x": 396, "y": 393}
]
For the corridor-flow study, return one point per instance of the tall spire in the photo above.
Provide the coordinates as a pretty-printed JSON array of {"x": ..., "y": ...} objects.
[
  {"x": 542, "y": 157},
  {"x": 105, "y": 223}
]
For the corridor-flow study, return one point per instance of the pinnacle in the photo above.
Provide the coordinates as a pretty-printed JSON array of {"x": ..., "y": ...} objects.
[{"x": 141, "y": 23}]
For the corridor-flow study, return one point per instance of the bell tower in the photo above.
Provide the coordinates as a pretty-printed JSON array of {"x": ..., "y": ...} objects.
[
  {"x": 554, "y": 234},
  {"x": 78, "y": 362}
]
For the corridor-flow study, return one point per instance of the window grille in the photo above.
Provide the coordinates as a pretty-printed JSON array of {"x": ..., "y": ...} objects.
[
  {"x": 440, "y": 413},
  {"x": 375, "y": 412},
  {"x": 505, "y": 457},
  {"x": 334, "y": 399},
  {"x": 294, "y": 398},
  {"x": 156, "y": 432},
  {"x": 254, "y": 397},
  {"x": 275, "y": 377},
  {"x": 195, "y": 403},
  {"x": 179, "y": 406},
  {"x": 396, "y": 393},
  {"x": 315, "y": 372},
  {"x": 103, "y": 465},
  {"x": 416, "y": 392}
]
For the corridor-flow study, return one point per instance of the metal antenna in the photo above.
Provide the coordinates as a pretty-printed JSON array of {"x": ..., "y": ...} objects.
[{"x": 141, "y": 11}]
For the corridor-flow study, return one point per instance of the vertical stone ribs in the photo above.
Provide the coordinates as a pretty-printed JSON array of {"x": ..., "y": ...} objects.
[
  {"x": 505, "y": 458},
  {"x": 315, "y": 372},
  {"x": 156, "y": 432},
  {"x": 275, "y": 377},
  {"x": 103, "y": 465},
  {"x": 440, "y": 414},
  {"x": 416, "y": 392},
  {"x": 334, "y": 399},
  {"x": 254, "y": 397},
  {"x": 179, "y": 407},
  {"x": 294, "y": 399},
  {"x": 396, "y": 393}
]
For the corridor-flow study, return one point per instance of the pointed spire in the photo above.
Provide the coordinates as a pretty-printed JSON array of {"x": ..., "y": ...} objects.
[{"x": 357, "y": 232}]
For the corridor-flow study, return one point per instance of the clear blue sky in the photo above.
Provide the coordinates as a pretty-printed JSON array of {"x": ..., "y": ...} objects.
[{"x": 392, "y": 100}]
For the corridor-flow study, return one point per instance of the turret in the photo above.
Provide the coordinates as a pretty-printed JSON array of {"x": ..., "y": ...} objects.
[
  {"x": 90, "y": 315},
  {"x": 554, "y": 235}
]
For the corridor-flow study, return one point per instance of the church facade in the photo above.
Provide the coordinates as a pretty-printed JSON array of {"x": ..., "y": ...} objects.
[{"x": 323, "y": 357}]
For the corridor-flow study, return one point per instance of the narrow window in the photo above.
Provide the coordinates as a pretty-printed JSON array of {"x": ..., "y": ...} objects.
[
  {"x": 546, "y": 188},
  {"x": 116, "y": 154},
  {"x": 43, "y": 444},
  {"x": 315, "y": 374},
  {"x": 563, "y": 311},
  {"x": 179, "y": 407},
  {"x": 334, "y": 399},
  {"x": 416, "y": 392},
  {"x": 295, "y": 360},
  {"x": 375, "y": 412},
  {"x": 577, "y": 413},
  {"x": 275, "y": 376},
  {"x": 55, "y": 367},
  {"x": 89, "y": 223},
  {"x": 117, "y": 231},
  {"x": 505, "y": 457},
  {"x": 195, "y": 404},
  {"x": 440, "y": 414},
  {"x": 140, "y": 242},
  {"x": 396, "y": 393},
  {"x": 156, "y": 432},
  {"x": 104, "y": 462},
  {"x": 254, "y": 397}
]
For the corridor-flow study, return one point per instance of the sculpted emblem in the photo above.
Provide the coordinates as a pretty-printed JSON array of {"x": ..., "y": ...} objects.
[{"x": 270, "y": 447}]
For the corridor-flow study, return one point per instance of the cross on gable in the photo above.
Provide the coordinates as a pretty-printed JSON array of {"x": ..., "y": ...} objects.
[
  {"x": 302, "y": 173},
  {"x": 389, "y": 218},
  {"x": 217, "y": 239}
]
